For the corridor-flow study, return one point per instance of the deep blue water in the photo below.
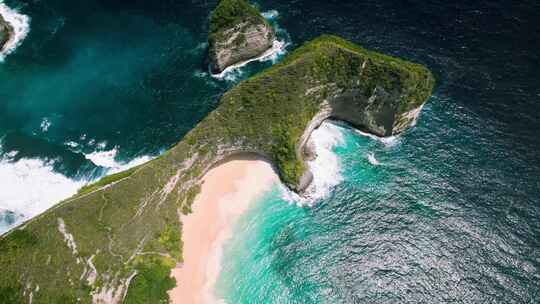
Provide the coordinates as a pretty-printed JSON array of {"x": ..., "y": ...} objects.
[{"x": 451, "y": 214}]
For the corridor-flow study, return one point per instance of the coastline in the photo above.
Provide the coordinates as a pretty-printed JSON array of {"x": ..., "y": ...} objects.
[
  {"x": 278, "y": 47},
  {"x": 227, "y": 192}
]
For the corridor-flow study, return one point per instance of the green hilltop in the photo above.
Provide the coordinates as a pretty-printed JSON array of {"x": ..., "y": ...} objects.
[
  {"x": 229, "y": 13},
  {"x": 117, "y": 240}
]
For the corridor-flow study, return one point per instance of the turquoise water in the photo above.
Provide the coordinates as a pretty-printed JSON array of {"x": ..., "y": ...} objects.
[
  {"x": 412, "y": 227},
  {"x": 450, "y": 215},
  {"x": 98, "y": 87}
]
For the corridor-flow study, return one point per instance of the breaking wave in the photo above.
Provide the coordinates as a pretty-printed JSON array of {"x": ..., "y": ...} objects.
[
  {"x": 389, "y": 141},
  {"x": 326, "y": 167},
  {"x": 109, "y": 160},
  {"x": 233, "y": 72},
  {"x": 21, "y": 27},
  {"x": 270, "y": 15},
  {"x": 372, "y": 160},
  {"x": 29, "y": 187}
]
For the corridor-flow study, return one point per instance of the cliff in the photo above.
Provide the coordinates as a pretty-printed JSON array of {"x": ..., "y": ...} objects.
[
  {"x": 238, "y": 33},
  {"x": 124, "y": 231},
  {"x": 6, "y": 31}
]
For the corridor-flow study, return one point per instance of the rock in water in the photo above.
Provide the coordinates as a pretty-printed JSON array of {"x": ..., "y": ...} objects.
[
  {"x": 238, "y": 32},
  {"x": 6, "y": 31}
]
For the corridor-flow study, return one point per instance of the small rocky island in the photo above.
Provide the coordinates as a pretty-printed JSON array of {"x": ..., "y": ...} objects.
[
  {"x": 119, "y": 238},
  {"x": 6, "y": 32},
  {"x": 238, "y": 32}
]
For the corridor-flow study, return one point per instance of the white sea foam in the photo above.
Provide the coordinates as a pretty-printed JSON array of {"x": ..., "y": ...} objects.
[
  {"x": 372, "y": 160},
  {"x": 270, "y": 15},
  {"x": 71, "y": 144},
  {"x": 20, "y": 24},
  {"x": 101, "y": 145},
  {"x": 326, "y": 167},
  {"x": 231, "y": 73},
  {"x": 389, "y": 141},
  {"x": 30, "y": 186},
  {"x": 45, "y": 124},
  {"x": 108, "y": 159}
]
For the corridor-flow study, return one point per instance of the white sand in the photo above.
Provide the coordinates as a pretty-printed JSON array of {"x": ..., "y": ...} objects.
[{"x": 227, "y": 192}]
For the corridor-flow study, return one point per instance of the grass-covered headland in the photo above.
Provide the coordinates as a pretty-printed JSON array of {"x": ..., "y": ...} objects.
[{"x": 124, "y": 231}]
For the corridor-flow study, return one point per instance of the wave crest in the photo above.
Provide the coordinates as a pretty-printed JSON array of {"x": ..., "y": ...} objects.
[
  {"x": 326, "y": 167},
  {"x": 29, "y": 187}
]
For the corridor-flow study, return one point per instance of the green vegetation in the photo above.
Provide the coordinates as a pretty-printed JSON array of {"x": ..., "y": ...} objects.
[
  {"x": 151, "y": 283},
  {"x": 17, "y": 240},
  {"x": 229, "y": 13},
  {"x": 10, "y": 295},
  {"x": 128, "y": 223},
  {"x": 190, "y": 198},
  {"x": 170, "y": 239}
]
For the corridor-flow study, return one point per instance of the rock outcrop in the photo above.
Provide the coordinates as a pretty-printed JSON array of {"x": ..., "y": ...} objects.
[
  {"x": 238, "y": 33},
  {"x": 126, "y": 227},
  {"x": 6, "y": 32}
]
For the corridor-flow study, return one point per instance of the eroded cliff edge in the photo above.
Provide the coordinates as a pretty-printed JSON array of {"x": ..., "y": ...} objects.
[
  {"x": 6, "y": 32},
  {"x": 238, "y": 32},
  {"x": 125, "y": 230}
]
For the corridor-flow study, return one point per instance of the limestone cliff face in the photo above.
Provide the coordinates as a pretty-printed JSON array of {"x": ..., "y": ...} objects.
[
  {"x": 120, "y": 236},
  {"x": 237, "y": 34},
  {"x": 6, "y": 31}
]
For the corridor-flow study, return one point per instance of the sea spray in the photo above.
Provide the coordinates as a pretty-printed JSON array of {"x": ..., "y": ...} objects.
[
  {"x": 108, "y": 159},
  {"x": 372, "y": 160},
  {"x": 270, "y": 15},
  {"x": 233, "y": 72},
  {"x": 326, "y": 168},
  {"x": 20, "y": 24},
  {"x": 388, "y": 141},
  {"x": 29, "y": 187}
]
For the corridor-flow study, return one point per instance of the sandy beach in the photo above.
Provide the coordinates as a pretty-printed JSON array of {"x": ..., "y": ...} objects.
[{"x": 227, "y": 192}]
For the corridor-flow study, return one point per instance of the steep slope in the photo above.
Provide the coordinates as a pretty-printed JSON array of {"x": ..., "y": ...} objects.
[
  {"x": 125, "y": 230},
  {"x": 238, "y": 33}
]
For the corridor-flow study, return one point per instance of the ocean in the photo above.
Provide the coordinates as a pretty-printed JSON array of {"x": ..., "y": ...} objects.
[{"x": 449, "y": 211}]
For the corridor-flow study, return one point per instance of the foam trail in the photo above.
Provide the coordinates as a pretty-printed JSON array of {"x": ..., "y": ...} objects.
[
  {"x": 270, "y": 15},
  {"x": 326, "y": 167},
  {"x": 21, "y": 26},
  {"x": 372, "y": 160},
  {"x": 389, "y": 141},
  {"x": 45, "y": 124},
  {"x": 232, "y": 72},
  {"x": 29, "y": 187}
]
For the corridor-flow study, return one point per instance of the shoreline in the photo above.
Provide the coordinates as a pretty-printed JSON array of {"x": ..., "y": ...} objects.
[
  {"x": 277, "y": 47},
  {"x": 228, "y": 190}
]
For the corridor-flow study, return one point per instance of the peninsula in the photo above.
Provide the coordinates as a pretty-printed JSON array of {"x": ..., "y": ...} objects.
[
  {"x": 118, "y": 239},
  {"x": 238, "y": 32}
]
